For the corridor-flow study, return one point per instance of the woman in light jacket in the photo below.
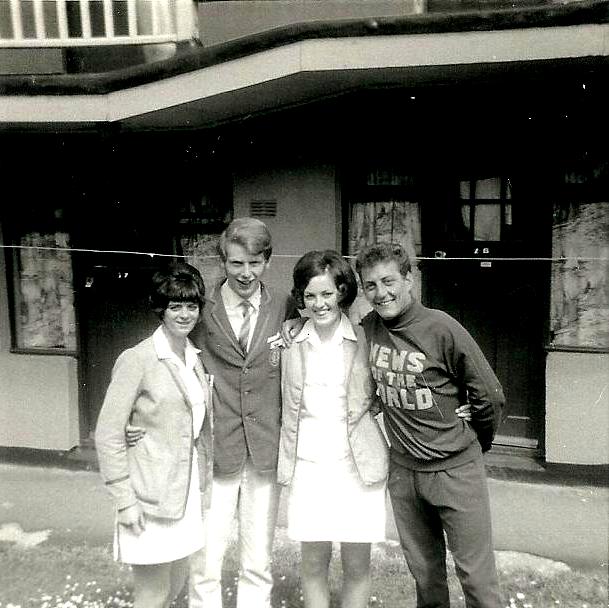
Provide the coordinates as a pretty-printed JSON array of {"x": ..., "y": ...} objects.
[
  {"x": 160, "y": 385},
  {"x": 332, "y": 453}
]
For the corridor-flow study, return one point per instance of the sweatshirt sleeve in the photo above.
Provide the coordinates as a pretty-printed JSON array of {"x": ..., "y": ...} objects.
[
  {"x": 110, "y": 439},
  {"x": 480, "y": 384}
]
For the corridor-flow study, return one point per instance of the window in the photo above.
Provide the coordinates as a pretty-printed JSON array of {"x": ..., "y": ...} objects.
[
  {"x": 43, "y": 301},
  {"x": 485, "y": 208},
  {"x": 385, "y": 211},
  {"x": 579, "y": 317}
]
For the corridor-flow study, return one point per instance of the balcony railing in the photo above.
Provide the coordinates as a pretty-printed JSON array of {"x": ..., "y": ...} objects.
[{"x": 68, "y": 23}]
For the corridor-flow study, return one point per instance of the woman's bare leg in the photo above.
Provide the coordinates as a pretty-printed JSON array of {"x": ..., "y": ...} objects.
[
  {"x": 152, "y": 585},
  {"x": 314, "y": 568},
  {"x": 355, "y": 559}
]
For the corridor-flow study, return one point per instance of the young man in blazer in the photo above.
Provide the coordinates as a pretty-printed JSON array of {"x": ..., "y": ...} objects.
[{"x": 242, "y": 318}]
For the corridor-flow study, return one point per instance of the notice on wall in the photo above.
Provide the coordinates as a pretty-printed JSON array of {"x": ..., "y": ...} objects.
[
  {"x": 44, "y": 293},
  {"x": 580, "y": 278}
]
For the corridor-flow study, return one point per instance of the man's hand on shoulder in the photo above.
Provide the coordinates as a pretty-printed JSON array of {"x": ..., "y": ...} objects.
[{"x": 290, "y": 329}]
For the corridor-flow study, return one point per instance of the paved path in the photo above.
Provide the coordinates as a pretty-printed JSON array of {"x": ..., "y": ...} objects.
[{"x": 563, "y": 523}]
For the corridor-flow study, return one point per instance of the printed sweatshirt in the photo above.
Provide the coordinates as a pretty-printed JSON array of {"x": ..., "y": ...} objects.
[{"x": 426, "y": 365}]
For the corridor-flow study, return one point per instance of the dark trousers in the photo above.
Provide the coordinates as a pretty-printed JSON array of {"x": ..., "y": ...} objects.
[{"x": 455, "y": 501}]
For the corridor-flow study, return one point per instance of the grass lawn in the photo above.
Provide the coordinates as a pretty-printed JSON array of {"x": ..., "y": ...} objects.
[{"x": 52, "y": 576}]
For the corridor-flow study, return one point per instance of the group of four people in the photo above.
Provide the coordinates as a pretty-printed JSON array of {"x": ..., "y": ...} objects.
[{"x": 294, "y": 403}]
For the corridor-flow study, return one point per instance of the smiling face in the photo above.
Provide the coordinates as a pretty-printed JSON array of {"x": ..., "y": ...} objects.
[
  {"x": 387, "y": 290},
  {"x": 321, "y": 299},
  {"x": 243, "y": 270},
  {"x": 180, "y": 318}
]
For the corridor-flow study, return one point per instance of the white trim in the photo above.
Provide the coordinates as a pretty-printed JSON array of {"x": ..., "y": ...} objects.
[
  {"x": 514, "y": 441},
  {"x": 38, "y": 43},
  {"x": 54, "y": 109},
  {"x": 312, "y": 56},
  {"x": 208, "y": 82},
  {"x": 456, "y": 48}
]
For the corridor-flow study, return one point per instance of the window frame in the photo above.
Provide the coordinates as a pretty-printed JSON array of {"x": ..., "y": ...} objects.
[{"x": 13, "y": 267}]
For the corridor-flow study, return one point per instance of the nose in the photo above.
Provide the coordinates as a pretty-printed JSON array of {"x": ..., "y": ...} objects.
[
  {"x": 381, "y": 291},
  {"x": 184, "y": 312},
  {"x": 319, "y": 302}
]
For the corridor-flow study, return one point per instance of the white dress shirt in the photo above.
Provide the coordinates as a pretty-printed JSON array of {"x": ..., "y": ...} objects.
[
  {"x": 322, "y": 433},
  {"x": 234, "y": 310},
  {"x": 186, "y": 370}
]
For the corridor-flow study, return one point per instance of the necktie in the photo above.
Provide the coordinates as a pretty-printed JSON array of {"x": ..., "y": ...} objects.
[{"x": 244, "y": 332}]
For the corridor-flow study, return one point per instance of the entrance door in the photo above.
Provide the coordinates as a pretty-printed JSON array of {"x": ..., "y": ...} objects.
[
  {"x": 115, "y": 315},
  {"x": 501, "y": 302}
]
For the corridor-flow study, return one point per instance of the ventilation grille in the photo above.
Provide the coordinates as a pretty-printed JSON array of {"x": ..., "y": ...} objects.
[{"x": 266, "y": 208}]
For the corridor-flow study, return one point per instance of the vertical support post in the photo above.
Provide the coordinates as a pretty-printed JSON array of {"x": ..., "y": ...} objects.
[
  {"x": 16, "y": 20},
  {"x": 39, "y": 25},
  {"x": 85, "y": 18},
  {"x": 62, "y": 19},
  {"x": 108, "y": 18},
  {"x": 132, "y": 18},
  {"x": 186, "y": 19},
  {"x": 154, "y": 16}
]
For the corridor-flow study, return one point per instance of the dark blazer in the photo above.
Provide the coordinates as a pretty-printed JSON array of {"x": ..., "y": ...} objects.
[
  {"x": 247, "y": 391},
  {"x": 155, "y": 473}
]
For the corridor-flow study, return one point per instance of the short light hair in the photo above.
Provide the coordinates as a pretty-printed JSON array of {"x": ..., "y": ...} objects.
[
  {"x": 380, "y": 253},
  {"x": 250, "y": 233}
]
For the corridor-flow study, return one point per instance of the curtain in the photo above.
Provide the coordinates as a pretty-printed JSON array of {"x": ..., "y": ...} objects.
[
  {"x": 383, "y": 222},
  {"x": 580, "y": 281}
]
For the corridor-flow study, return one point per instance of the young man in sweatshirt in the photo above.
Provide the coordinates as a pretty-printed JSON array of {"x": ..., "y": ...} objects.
[{"x": 426, "y": 365}]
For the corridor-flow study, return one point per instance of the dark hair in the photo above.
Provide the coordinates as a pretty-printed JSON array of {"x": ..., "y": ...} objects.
[
  {"x": 316, "y": 263},
  {"x": 380, "y": 253},
  {"x": 250, "y": 233},
  {"x": 179, "y": 282}
]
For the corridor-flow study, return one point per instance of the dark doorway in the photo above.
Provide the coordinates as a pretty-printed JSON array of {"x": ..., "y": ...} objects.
[
  {"x": 114, "y": 315},
  {"x": 487, "y": 248}
]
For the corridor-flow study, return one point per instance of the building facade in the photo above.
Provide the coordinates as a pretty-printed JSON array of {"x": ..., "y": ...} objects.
[{"x": 474, "y": 137}]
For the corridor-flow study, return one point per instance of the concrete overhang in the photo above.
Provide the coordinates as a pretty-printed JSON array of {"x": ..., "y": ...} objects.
[{"x": 294, "y": 66}]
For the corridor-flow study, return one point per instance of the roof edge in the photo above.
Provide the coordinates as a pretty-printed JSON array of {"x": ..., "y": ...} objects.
[{"x": 588, "y": 12}]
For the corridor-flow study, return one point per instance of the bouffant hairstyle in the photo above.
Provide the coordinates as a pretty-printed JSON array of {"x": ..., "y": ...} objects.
[
  {"x": 250, "y": 233},
  {"x": 382, "y": 253},
  {"x": 317, "y": 263},
  {"x": 178, "y": 282}
]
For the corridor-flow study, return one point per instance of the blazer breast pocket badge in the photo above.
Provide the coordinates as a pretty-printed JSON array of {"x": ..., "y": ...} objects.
[{"x": 275, "y": 345}]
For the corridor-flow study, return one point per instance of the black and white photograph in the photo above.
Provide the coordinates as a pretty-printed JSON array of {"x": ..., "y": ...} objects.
[{"x": 304, "y": 304}]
